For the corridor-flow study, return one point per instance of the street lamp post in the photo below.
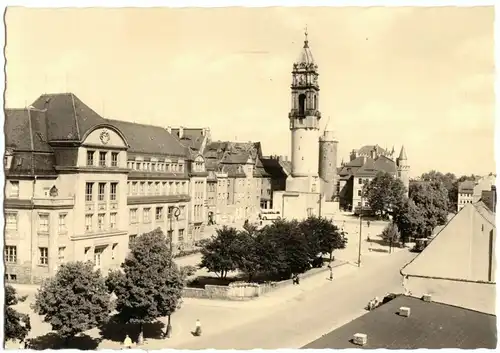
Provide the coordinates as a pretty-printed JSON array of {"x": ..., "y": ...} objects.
[
  {"x": 360, "y": 230},
  {"x": 174, "y": 211}
]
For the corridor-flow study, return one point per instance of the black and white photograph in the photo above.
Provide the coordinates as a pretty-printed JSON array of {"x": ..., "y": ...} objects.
[{"x": 236, "y": 177}]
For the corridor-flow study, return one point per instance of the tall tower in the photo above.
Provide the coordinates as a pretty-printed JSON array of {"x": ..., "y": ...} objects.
[
  {"x": 404, "y": 169},
  {"x": 328, "y": 164},
  {"x": 304, "y": 119}
]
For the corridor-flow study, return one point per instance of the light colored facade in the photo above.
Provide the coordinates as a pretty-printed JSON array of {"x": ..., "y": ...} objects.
[
  {"x": 238, "y": 171},
  {"x": 470, "y": 191},
  {"x": 84, "y": 188},
  {"x": 304, "y": 120}
]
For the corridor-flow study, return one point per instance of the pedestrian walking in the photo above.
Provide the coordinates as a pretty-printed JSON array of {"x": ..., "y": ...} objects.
[
  {"x": 331, "y": 273},
  {"x": 127, "y": 342}
]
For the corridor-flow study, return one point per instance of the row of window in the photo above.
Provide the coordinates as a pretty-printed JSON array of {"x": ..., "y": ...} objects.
[
  {"x": 105, "y": 221},
  {"x": 159, "y": 214},
  {"x": 199, "y": 187},
  {"x": 157, "y": 188},
  {"x": 105, "y": 159},
  {"x": 156, "y": 166},
  {"x": 102, "y": 191},
  {"x": 12, "y": 222},
  {"x": 363, "y": 181},
  {"x": 10, "y": 255}
]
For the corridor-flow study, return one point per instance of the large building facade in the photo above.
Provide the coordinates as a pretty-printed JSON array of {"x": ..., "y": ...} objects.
[{"x": 81, "y": 187}]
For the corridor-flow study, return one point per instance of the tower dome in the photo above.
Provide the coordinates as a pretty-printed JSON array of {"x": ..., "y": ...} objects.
[{"x": 305, "y": 59}]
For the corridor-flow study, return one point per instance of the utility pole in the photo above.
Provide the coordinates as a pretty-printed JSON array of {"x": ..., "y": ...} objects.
[
  {"x": 174, "y": 211},
  {"x": 360, "y": 229}
]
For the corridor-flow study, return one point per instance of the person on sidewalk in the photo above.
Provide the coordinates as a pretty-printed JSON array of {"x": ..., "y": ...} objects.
[
  {"x": 331, "y": 272},
  {"x": 127, "y": 342},
  {"x": 197, "y": 330}
]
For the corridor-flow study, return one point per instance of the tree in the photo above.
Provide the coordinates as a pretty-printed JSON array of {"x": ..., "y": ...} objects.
[
  {"x": 286, "y": 250},
  {"x": 16, "y": 325},
  {"x": 410, "y": 220},
  {"x": 450, "y": 183},
  {"x": 219, "y": 254},
  {"x": 432, "y": 199},
  {"x": 384, "y": 193},
  {"x": 391, "y": 235},
  {"x": 149, "y": 284},
  {"x": 322, "y": 236},
  {"x": 74, "y": 300},
  {"x": 246, "y": 251}
]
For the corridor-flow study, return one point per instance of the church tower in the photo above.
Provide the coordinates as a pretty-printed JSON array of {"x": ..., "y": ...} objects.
[
  {"x": 403, "y": 169},
  {"x": 304, "y": 119}
]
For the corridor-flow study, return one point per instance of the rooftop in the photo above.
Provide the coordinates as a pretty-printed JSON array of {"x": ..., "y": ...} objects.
[{"x": 430, "y": 325}]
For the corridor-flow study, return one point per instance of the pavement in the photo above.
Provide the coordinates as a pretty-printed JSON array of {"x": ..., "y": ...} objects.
[{"x": 292, "y": 316}]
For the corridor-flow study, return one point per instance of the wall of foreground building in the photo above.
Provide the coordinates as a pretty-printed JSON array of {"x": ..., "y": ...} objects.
[
  {"x": 471, "y": 295},
  {"x": 296, "y": 205}
]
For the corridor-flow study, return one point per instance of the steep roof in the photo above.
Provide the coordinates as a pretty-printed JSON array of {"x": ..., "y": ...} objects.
[
  {"x": 149, "y": 139},
  {"x": 430, "y": 325},
  {"x": 367, "y": 149},
  {"x": 68, "y": 118},
  {"x": 191, "y": 137},
  {"x": 466, "y": 186},
  {"x": 26, "y": 135},
  {"x": 226, "y": 153},
  {"x": 402, "y": 154},
  {"x": 467, "y": 242},
  {"x": 274, "y": 168}
]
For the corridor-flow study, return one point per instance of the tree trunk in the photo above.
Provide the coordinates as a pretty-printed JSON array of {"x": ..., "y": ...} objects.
[
  {"x": 331, "y": 255},
  {"x": 390, "y": 246}
]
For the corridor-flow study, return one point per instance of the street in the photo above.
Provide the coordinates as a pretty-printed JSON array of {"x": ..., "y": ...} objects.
[{"x": 305, "y": 317}]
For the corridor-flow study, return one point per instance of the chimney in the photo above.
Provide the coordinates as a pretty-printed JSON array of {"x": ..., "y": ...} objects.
[
  {"x": 169, "y": 129},
  {"x": 360, "y": 339},
  {"x": 404, "y": 311},
  {"x": 181, "y": 132},
  {"x": 427, "y": 298}
]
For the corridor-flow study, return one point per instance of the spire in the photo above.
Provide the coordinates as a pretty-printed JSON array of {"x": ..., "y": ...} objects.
[
  {"x": 402, "y": 154},
  {"x": 305, "y": 57},
  {"x": 306, "y": 42}
]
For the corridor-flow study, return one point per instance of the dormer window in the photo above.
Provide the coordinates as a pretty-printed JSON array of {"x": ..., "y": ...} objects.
[{"x": 102, "y": 159}]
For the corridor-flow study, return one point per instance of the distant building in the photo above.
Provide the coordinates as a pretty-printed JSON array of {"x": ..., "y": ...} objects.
[
  {"x": 311, "y": 186},
  {"x": 489, "y": 197},
  {"x": 363, "y": 166},
  {"x": 470, "y": 191},
  {"x": 237, "y": 174}
]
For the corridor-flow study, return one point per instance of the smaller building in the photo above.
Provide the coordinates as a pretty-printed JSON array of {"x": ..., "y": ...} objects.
[
  {"x": 363, "y": 166},
  {"x": 470, "y": 191}
]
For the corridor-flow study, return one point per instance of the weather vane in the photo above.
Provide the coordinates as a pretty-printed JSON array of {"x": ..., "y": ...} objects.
[{"x": 305, "y": 31}]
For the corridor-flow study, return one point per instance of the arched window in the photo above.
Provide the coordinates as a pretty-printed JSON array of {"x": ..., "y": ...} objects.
[
  {"x": 315, "y": 103},
  {"x": 302, "y": 104}
]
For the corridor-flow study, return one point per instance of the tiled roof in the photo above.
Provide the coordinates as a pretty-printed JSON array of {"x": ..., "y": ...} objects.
[
  {"x": 231, "y": 155},
  {"x": 32, "y": 153},
  {"x": 192, "y": 138},
  {"x": 366, "y": 166},
  {"x": 466, "y": 242},
  {"x": 149, "y": 139},
  {"x": 430, "y": 325},
  {"x": 466, "y": 186},
  {"x": 273, "y": 167},
  {"x": 366, "y": 150},
  {"x": 68, "y": 118}
]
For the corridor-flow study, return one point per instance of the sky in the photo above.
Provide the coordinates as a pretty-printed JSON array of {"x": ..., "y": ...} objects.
[{"x": 413, "y": 76}]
